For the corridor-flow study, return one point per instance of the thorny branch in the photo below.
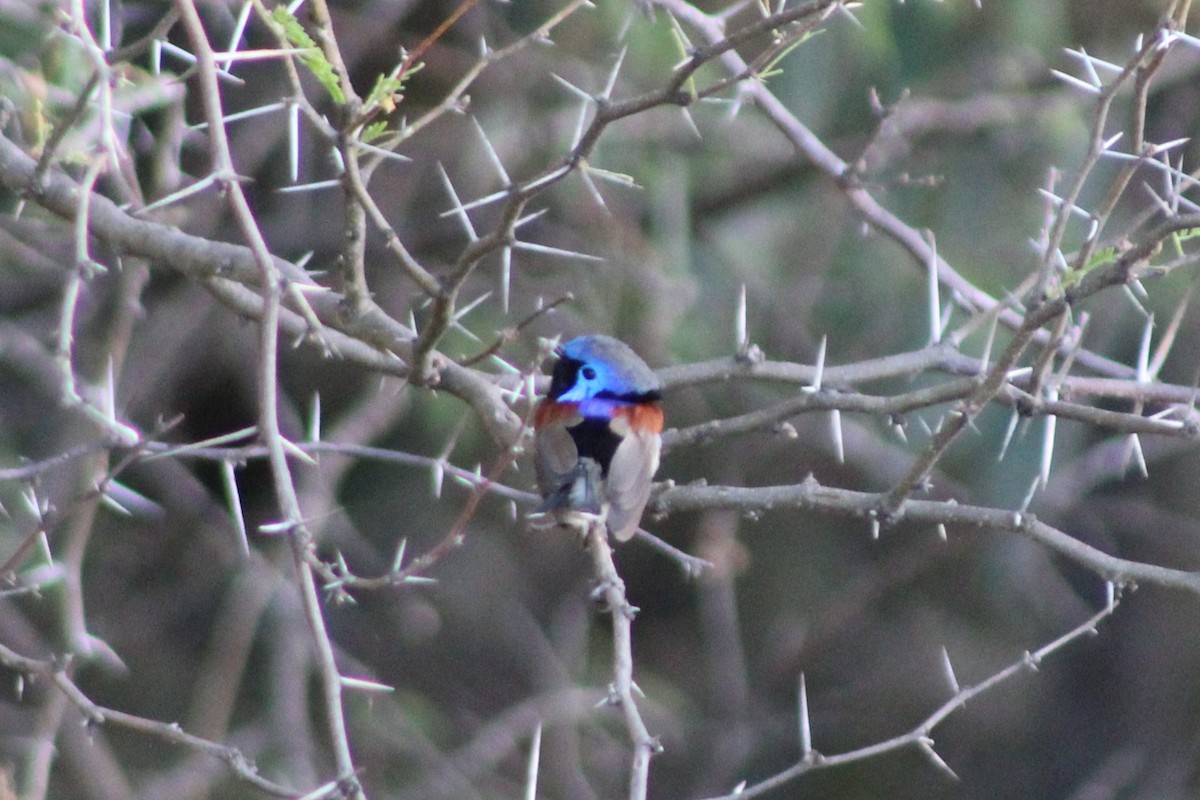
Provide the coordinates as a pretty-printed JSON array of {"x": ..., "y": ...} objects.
[
  {"x": 346, "y": 323},
  {"x": 287, "y": 500},
  {"x": 611, "y": 589},
  {"x": 812, "y": 760},
  {"x": 811, "y": 495},
  {"x": 171, "y": 733}
]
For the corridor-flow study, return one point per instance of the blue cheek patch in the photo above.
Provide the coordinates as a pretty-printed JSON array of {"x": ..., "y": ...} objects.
[
  {"x": 575, "y": 394},
  {"x": 602, "y": 407}
]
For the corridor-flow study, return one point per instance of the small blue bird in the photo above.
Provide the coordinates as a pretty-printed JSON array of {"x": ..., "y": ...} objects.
[{"x": 597, "y": 435}]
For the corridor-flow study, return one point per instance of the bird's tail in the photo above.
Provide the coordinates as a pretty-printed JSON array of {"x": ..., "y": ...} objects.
[{"x": 579, "y": 492}]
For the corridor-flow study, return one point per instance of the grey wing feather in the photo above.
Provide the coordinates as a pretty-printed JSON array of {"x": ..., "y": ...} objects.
[
  {"x": 554, "y": 458},
  {"x": 628, "y": 485}
]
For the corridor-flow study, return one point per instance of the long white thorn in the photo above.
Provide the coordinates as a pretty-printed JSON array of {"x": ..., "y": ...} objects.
[
  {"x": 927, "y": 748},
  {"x": 580, "y": 122},
  {"x": 612, "y": 76},
  {"x": 234, "y": 502},
  {"x": 1008, "y": 435},
  {"x": 1168, "y": 338},
  {"x": 108, "y": 400},
  {"x": 839, "y": 445},
  {"x": 1139, "y": 457},
  {"x": 1076, "y": 82},
  {"x": 1029, "y": 495},
  {"x": 691, "y": 123},
  {"x": 741, "y": 340},
  {"x": 505, "y": 277},
  {"x": 1089, "y": 68},
  {"x": 457, "y": 209},
  {"x": 819, "y": 367},
  {"x": 1048, "y": 434},
  {"x": 492, "y": 155},
  {"x": 529, "y": 218},
  {"x": 1143, "y": 362},
  {"x": 802, "y": 720},
  {"x": 1094, "y": 62},
  {"x": 363, "y": 685},
  {"x": 572, "y": 88},
  {"x": 398, "y": 560},
  {"x": 316, "y": 186},
  {"x": 366, "y": 147},
  {"x": 175, "y": 197},
  {"x": 933, "y": 289},
  {"x": 240, "y": 26},
  {"x": 314, "y": 419},
  {"x": 477, "y": 203},
  {"x": 555, "y": 251},
  {"x": 471, "y": 306},
  {"x": 293, "y": 131},
  {"x": 986, "y": 356},
  {"x": 106, "y": 25},
  {"x": 531, "y": 768},
  {"x": 590, "y": 185},
  {"x": 247, "y": 114},
  {"x": 297, "y": 451},
  {"x": 1108, "y": 143},
  {"x": 948, "y": 671},
  {"x": 1162, "y": 204}
]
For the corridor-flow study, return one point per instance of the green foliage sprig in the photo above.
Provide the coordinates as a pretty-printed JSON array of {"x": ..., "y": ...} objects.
[{"x": 311, "y": 55}]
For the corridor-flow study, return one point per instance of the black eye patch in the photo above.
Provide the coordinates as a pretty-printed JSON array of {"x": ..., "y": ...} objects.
[{"x": 563, "y": 377}]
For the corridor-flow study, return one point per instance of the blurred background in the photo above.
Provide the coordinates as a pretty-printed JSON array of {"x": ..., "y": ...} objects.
[{"x": 508, "y": 636}]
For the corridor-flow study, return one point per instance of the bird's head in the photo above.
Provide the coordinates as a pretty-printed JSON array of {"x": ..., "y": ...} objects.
[{"x": 602, "y": 368}]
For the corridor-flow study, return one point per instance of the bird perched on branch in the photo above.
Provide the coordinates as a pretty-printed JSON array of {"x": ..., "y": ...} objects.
[{"x": 597, "y": 436}]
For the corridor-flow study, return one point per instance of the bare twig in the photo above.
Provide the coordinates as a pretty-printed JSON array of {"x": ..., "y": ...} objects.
[
  {"x": 168, "y": 732},
  {"x": 919, "y": 736},
  {"x": 612, "y": 590},
  {"x": 814, "y": 150},
  {"x": 285, "y": 490},
  {"x": 811, "y": 495}
]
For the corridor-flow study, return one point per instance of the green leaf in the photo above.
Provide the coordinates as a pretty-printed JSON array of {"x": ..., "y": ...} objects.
[
  {"x": 681, "y": 44},
  {"x": 1105, "y": 256},
  {"x": 384, "y": 93},
  {"x": 1179, "y": 237},
  {"x": 312, "y": 56},
  {"x": 374, "y": 131},
  {"x": 772, "y": 68},
  {"x": 388, "y": 91}
]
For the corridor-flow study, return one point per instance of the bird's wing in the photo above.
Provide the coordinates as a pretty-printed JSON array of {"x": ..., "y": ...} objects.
[
  {"x": 628, "y": 484},
  {"x": 554, "y": 453}
]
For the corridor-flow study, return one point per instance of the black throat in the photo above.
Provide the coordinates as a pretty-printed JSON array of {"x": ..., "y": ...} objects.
[{"x": 594, "y": 439}]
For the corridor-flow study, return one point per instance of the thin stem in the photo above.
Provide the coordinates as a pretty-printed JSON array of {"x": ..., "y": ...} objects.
[
  {"x": 612, "y": 589},
  {"x": 269, "y": 431}
]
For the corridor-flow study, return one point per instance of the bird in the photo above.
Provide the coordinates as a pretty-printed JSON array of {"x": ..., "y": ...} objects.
[{"x": 597, "y": 436}]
